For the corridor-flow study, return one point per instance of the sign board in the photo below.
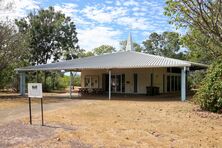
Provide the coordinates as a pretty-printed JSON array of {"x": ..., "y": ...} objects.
[{"x": 35, "y": 90}]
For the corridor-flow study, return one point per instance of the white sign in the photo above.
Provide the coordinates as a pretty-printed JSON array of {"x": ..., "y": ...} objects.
[{"x": 35, "y": 90}]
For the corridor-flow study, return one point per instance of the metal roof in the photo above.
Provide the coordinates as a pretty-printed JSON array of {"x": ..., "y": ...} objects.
[{"x": 126, "y": 59}]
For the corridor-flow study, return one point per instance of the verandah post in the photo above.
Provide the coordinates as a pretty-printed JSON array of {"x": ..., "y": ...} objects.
[
  {"x": 22, "y": 84},
  {"x": 70, "y": 84},
  {"x": 183, "y": 84}
]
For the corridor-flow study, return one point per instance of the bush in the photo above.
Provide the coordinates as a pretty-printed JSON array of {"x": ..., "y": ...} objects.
[
  {"x": 209, "y": 95},
  {"x": 195, "y": 78}
]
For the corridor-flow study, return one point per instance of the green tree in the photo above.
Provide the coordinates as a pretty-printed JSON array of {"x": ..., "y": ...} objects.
[
  {"x": 209, "y": 95},
  {"x": 13, "y": 54},
  {"x": 103, "y": 49},
  {"x": 201, "y": 48},
  {"x": 136, "y": 46},
  {"x": 83, "y": 53},
  {"x": 153, "y": 44},
  {"x": 204, "y": 40},
  {"x": 203, "y": 18},
  {"x": 12, "y": 45},
  {"x": 165, "y": 44},
  {"x": 52, "y": 36}
]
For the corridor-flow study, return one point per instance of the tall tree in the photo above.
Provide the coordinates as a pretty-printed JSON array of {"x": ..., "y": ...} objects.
[
  {"x": 13, "y": 54},
  {"x": 12, "y": 45},
  {"x": 52, "y": 36},
  {"x": 165, "y": 44},
  {"x": 136, "y": 46},
  {"x": 153, "y": 44},
  {"x": 203, "y": 18},
  {"x": 103, "y": 49},
  {"x": 201, "y": 49}
]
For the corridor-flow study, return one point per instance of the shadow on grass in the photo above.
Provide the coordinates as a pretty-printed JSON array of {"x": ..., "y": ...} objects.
[{"x": 64, "y": 127}]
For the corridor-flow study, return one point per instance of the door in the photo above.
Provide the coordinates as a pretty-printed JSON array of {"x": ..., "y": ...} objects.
[
  {"x": 106, "y": 83},
  {"x": 151, "y": 80},
  {"x": 135, "y": 77},
  {"x": 116, "y": 83}
]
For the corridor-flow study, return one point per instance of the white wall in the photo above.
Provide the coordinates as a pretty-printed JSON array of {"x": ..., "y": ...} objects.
[{"x": 143, "y": 78}]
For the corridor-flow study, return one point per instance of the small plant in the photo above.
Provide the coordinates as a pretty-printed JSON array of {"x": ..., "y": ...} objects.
[{"x": 209, "y": 95}]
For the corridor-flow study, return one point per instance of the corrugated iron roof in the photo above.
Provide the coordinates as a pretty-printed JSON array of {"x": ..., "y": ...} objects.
[{"x": 127, "y": 59}]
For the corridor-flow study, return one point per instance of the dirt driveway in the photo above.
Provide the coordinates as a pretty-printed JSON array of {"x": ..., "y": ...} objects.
[
  {"x": 116, "y": 123},
  {"x": 14, "y": 107}
]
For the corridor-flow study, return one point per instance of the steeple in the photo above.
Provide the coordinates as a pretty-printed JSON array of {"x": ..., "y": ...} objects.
[{"x": 129, "y": 44}]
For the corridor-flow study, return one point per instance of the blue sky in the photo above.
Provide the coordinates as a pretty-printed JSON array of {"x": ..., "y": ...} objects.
[{"x": 103, "y": 21}]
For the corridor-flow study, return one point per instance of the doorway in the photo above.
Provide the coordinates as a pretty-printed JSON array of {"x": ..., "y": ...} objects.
[{"x": 117, "y": 83}]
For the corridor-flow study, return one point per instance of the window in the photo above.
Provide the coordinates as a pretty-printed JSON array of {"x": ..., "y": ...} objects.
[
  {"x": 173, "y": 83},
  {"x": 87, "y": 82},
  {"x": 91, "y": 81}
]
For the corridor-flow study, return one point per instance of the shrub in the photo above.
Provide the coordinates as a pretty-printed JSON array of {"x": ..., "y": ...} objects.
[
  {"x": 195, "y": 78},
  {"x": 209, "y": 95}
]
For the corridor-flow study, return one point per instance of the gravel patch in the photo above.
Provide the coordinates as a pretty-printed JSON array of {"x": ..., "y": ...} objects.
[{"x": 17, "y": 132}]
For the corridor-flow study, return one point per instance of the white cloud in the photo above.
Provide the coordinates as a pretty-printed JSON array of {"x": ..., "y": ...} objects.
[
  {"x": 118, "y": 3},
  {"x": 67, "y": 8},
  {"x": 109, "y": 2},
  {"x": 19, "y": 8},
  {"x": 134, "y": 23},
  {"x": 130, "y": 3},
  {"x": 139, "y": 13},
  {"x": 104, "y": 14},
  {"x": 136, "y": 8},
  {"x": 71, "y": 10},
  {"x": 92, "y": 38},
  {"x": 96, "y": 14}
]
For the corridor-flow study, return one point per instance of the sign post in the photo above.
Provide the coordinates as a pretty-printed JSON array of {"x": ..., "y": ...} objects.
[
  {"x": 35, "y": 91},
  {"x": 42, "y": 111}
]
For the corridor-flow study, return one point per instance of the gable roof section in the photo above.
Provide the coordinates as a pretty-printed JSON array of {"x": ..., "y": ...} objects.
[{"x": 127, "y": 59}]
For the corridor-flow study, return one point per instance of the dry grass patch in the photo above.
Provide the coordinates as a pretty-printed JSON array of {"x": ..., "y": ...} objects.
[{"x": 138, "y": 124}]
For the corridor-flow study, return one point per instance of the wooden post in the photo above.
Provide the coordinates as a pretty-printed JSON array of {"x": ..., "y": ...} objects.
[
  {"x": 42, "y": 111},
  {"x": 30, "y": 111}
]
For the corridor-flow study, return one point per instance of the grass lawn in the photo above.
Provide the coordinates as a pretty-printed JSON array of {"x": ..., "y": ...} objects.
[{"x": 122, "y": 123}]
